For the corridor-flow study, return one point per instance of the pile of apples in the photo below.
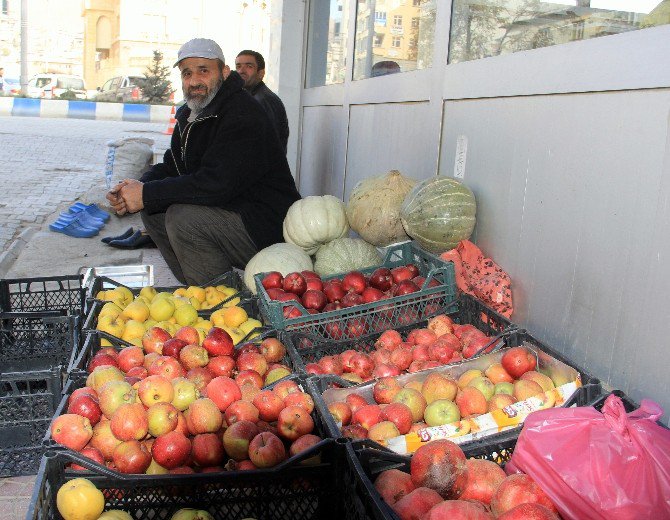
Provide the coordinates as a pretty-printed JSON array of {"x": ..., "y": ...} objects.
[
  {"x": 439, "y": 399},
  {"x": 165, "y": 409},
  {"x": 441, "y": 342},
  {"x": 443, "y": 485},
  {"x": 128, "y": 317},
  {"x": 353, "y": 289}
]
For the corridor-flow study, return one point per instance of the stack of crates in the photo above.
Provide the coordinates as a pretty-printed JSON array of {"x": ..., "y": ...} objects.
[{"x": 40, "y": 332}]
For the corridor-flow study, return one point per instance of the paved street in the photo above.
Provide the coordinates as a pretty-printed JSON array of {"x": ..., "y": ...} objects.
[{"x": 45, "y": 162}]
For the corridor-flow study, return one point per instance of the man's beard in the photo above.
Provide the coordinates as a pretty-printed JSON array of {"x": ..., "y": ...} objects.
[{"x": 196, "y": 102}]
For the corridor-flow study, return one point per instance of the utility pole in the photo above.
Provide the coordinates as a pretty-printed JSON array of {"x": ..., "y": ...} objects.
[{"x": 24, "y": 47}]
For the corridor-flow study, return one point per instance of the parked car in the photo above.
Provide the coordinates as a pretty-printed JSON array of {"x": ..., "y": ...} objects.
[
  {"x": 10, "y": 87},
  {"x": 121, "y": 89},
  {"x": 51, "y": 86}
]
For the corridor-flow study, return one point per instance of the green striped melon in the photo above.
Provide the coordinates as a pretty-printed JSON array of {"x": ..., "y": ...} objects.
[{"x": 438, "y": 213}]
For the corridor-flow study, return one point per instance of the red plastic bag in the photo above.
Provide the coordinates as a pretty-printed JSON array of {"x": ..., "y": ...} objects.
[
  {"x": 481, "y": 277},
  {"x": 599, "y": 466}
]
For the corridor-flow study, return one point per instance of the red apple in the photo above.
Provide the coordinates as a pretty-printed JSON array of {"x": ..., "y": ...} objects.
[
  {"x": 331, "y": 365},
  {"x": 266, "y": 450},
  {"x": 417, "y": 504},
  {"x": 394, "y": 484},
  {"x": 300, "y": 399},
  {"x": 102, "y": 360},
  {"x": 367, "y": 416},
  {"x": 189, "y": 334},
  {"x": 221, "y": 366},
  {"x": 207, "y": 450},
  {"x": 237, "y": 437},
  {"x": 86, "y": 406},
  {"x": 192, "y": 356},
  {"x": 293, "y": 422},
  {"x": 518, "y": 489},
  {"x": 241, "y": 411},
  {"x": 272, "y": 350},
  {"x": 269, "y": 405},
  {"x": 166, "y": 366},
  {"x": 294, "y": 283},
  {"x": 440, "y": 465},
  {"x": 272, "y": 280},
  {"x": 162, "y": 418},
  {"x": 71, "y": 430},
  {"x": 200, "y": 376},
  {"x": 334, "y": 290},
  {"x": 381, "y": 279},
  {"x": 354, "y": 431},
  {"x": 286, "y": 387},
  {"x": 517, "y": 360},
  {"x": 203, "y": 416},
  {"x": 90, "y": 453},
  {"x": 153, "y": 340},
  {"x": 249, "y": 377},
  {"x": 314, "y": 284},
  {"x": 405, "y": 287},
  {"x": 484, "y": 477},
  {"x": 131, "y": 457},
  {"x": 341, "y": 412},
  {"x": 130, "y": 422},
  {"x": 218, "y": 342},
  {"x": 312, "y": 299},
  {"x": 354, "y": 282},
  {"x": 223, "y": 391},
  {"x": 171, "y": 450},
  {"x": 401, "y": 274},
  {"x": 400, "y": 415}
]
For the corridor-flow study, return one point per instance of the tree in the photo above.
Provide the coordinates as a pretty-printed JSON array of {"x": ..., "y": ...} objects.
[{"x": 156, "y": 84}]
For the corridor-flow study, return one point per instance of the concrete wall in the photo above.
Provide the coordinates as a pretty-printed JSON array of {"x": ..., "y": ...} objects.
[{"x": 567, "y": 149}]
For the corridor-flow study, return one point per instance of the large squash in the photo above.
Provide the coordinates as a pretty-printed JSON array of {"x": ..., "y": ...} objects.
[
  {"x": 345, "y": 254},
  {"x": 314, "y": 221},
  {"x": 374, "y": 206},
  {"x": 282, "y": 257},
  {"x": 438, "y": 213}
]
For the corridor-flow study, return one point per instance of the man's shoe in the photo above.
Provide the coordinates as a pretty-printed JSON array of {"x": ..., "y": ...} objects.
[
  {"x": 134, "y": 241},
  {"x": 127, "y": 233}
]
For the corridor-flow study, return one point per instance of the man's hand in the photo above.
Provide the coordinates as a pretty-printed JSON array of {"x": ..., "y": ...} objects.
[
  {"x": 115, "y": 199},
  {"x": 131, "y": 193}
]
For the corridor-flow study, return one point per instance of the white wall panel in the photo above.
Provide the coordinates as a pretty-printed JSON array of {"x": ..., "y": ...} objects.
[
  {"x": 392, "y": 136},
  {"x": 322, "y": 153},
  {"x": 572, "y": 197}
]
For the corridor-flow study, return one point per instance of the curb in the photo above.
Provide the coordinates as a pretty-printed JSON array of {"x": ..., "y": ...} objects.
[
  {"x": 9, "y": 256},
  {"x": 35, "y": 107}
]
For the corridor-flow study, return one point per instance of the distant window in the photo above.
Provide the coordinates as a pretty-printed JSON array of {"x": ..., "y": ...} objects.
[
  {"x": 379, "y": 39},
  {"x": 380, "y": 18},
  {"x": 5, "y": 9},
  {"x": 42, "y": 82},
  {"x": 326, "y": 44},
  {"x": 395, "y": 42},
  {"x": 397, "y": 20},
  {"x": 416, "y": 3},
  {"x": 70, "y": 83},
  {"x": 481, "y": 28},
  {"x": 415, "y": 22}
]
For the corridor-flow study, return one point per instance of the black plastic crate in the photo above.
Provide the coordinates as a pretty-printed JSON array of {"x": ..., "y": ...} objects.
[
  {"x": 250, "y": 305},
  {"x": 307, "y": 348},
  {"x": 28, "y": 401},
  {"x": 37, "y": 340},
  {"x": 53, "y": 293},
  {"x": 324, "y": 491},
  {"x": 377, "y": 316},
  {"x": 229, "y": 279}
]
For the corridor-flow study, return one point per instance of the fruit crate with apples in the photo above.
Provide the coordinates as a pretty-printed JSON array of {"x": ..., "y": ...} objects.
[
  {"x": 53, "y": 293},
  {"x": 305, "y": 348},
  {"x": 78, "y": 381},
  {"x": 94, "y": 343},
  {"x": 329, "y": 487},
  {"x": 438, "y": 290},
  {"x": 250, "y": 306},
  {"x": 28, "y": 401},
  {"x": 498, "y": 424},
  {"x": 38, "y": 340},
  {"x": 229, "y": 279}
]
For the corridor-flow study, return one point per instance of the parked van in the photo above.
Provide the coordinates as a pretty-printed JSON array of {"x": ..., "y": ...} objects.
[{"x": 51, "y": 86}]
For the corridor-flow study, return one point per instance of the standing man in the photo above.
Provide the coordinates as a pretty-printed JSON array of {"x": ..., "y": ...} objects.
[
  {"x": 224, "y": 186},
  {"x": 251, "y": 66}
]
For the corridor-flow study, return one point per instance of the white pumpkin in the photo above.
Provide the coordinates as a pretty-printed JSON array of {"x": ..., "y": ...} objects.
[
  {"x": 282, "y": 257},
  {"x": 314, "y": 221}
]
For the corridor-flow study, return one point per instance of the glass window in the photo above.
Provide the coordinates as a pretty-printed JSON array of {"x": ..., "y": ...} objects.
[
  {"x": 326, "y": 43},
  {"x": 483, "y": 28},
  {"x": 386, "y": 40},
  {"x": 70, "y": 83}
]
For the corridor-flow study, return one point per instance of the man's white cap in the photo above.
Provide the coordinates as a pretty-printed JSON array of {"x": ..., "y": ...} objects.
[{"x": 200, "y": 48}]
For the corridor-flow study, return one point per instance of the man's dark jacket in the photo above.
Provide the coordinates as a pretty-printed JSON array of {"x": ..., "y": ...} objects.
[
  {"x": 274, "y": 108},
  {"x": 228, "y": 157}
]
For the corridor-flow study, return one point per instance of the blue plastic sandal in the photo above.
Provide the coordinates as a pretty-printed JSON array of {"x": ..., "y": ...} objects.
[
  {"x": 91, "y": 209},
  {"x": 84, "y": 219},
  {"x": 73, "y": 229}
]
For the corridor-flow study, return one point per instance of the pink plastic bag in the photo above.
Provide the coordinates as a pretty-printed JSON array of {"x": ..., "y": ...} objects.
[{"x": 599, "y": 466}]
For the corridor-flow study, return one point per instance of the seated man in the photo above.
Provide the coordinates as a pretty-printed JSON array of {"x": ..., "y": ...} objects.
[{"x": 224, "y": 186}]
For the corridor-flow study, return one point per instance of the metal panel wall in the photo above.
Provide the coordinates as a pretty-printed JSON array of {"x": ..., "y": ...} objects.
[
  {"x": 572, "y": 197},
  {"x": 322, "y": 153},
  {"x": 391, "y": 136}
]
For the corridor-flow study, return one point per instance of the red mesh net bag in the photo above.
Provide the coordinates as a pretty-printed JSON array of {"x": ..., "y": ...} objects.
[{"x": 481, "y": 277}]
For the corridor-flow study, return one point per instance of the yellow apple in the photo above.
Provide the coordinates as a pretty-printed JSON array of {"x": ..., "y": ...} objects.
[
  {"x": 204, "y": 325},
  {"x": 194, "y": 291},
  {"x": 133, "y": 329},
  {"x": 136, "y": 310},
  {"x": 181, "y": 291},
  {"x": 195, "y": 302},
  {"x": 232, "y": 302},
  {"x": 250, "y": 325},
  {"x": 148, "y": 292},
  {"x": 169, "y": 326},
  {"x": 186, "y": 315},
  {"x": 113, "y": 325},
  {"x": 126, "y": 294},
  {"x": 234, "y": 316},
  {"x": 217, "y": 318},
  {"x": 149, "y": 323},
  {"x": 161, "y": 309},
  {"x": 110, "y": 308}
]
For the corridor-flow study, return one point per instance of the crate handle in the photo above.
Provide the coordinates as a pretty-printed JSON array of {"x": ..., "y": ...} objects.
[
  {"x": 111, "y": 338},
  {"x": 507, "y": 332}
]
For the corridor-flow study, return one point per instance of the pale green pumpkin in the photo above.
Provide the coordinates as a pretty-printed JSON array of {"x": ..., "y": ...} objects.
[
  {"x": 282, "y": 257},
  {"x": 345, "y": 254}
]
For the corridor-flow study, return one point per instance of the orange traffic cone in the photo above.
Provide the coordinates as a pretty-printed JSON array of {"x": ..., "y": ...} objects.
[{"x": 172, "y": 122}]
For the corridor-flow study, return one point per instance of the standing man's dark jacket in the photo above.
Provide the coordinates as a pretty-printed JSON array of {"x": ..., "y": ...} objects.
[
  {"x": 229, "y": 157},
  {"x": 275, "y": 109}
]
